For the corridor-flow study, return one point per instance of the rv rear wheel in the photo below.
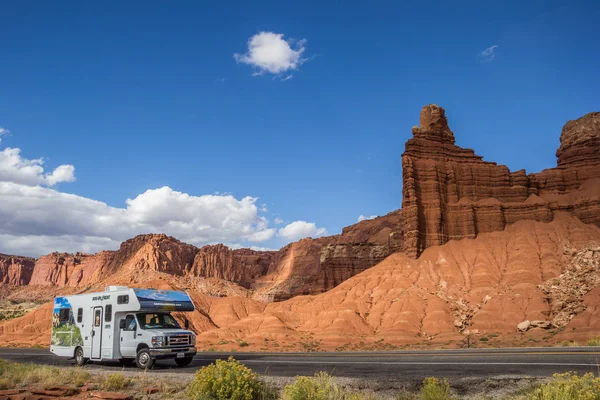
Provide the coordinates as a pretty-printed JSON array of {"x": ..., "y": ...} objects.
[
  {"x": 80, "y": 360},
  {"x": 143, "y": 359},
  {"x": 183, "y": 362}
]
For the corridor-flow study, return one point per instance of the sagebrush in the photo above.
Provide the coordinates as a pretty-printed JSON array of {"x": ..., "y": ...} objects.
[
  {"x": 321, "y": 386},
  {"x": 568, "y": 386},
  {"x": 227, "y": 380}
]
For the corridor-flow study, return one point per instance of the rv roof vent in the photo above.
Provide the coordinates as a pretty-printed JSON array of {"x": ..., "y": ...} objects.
[{"x": 115, "y": 288}]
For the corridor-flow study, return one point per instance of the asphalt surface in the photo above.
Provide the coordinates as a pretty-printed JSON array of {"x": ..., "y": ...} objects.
[{"x": 407, "y": 365}]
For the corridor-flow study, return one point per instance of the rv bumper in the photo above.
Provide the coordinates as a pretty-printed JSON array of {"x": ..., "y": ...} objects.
[{"x": 172, "y": 353}]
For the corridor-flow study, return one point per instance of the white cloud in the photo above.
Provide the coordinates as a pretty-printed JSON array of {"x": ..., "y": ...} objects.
[
  {"x": 301, "y": 229},
  {"x": 261, "y": 236},
  {"x": 14, "y": 168},
  {"x": 36, "y": 245},
  {"x": 278, "y": 221},
  {"x": 37, "y": 219},
  {"x": 3, "y": 132},
  {"x": 236, "y": 246},
  {"x": 270, "y": 52},
  {"x": 363, "y": 218},
  {"x": 490, "y": 53}
]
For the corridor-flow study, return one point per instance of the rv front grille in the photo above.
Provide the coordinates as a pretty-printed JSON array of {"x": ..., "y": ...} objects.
[{"x": 178, "y": 340}]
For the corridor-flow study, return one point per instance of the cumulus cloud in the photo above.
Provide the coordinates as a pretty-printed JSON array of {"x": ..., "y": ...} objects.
[
  {"x": 301, "y": 229},
  {"x": 38, "y": 219},
  {"x": 490, "y": 53},
  {"x": 278, "y": 221},
  {"x": 17, "y": 169},
  {"x": 363, "y": 218},
  {"x": 270, "y": 52}
]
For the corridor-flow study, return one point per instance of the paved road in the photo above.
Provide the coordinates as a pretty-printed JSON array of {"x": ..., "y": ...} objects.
[{"x": 405, "y": 365}]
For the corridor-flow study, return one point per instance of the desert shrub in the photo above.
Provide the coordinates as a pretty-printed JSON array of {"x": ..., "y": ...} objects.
[
  {"x": 26, "y": 374},
  {"x": 116, "y": 381},
  {"x": 227, "y": 380},
  {"x": 435, "y": 389},
  {"x": 5, "y": 384},
  {"x": 319, "y": 387},
  {"x": 568, "y": 386},
  {"x": 594, "y": 341},
  {"x": 244, "y": 344}
]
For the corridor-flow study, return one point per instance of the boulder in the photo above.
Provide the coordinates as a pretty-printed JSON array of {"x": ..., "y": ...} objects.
[{"x": 523, "y": 326}]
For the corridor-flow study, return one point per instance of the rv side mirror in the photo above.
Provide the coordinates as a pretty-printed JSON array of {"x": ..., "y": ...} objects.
[
  {"x": 186, "y": 323},
  {"x": 122, "y": 324}
]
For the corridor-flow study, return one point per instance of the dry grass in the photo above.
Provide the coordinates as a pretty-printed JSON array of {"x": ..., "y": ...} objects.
[
  {"x": 116, "y": 381},
  {"x": 14, "y": 374}
]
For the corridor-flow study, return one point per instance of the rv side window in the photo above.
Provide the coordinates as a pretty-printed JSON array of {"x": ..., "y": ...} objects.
[
  {"x": 108, "y": 313},
  {"x": 63, "y": 315},
  {"x": 130, "y": 323},
  {"x": 79, "y": 315},
  {"x": 123, "y": 299},
  {"x": 97, "y": 318}
]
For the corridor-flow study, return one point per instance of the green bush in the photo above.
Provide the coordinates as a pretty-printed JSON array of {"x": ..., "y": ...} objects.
[
  {"x": 319, "y": 387},
  {"x": 594, "y": 341},
  {"x": 5, "y": 384},
  {"x": 227, "y": 380},
  {"x": 116, "y": 381},
  {"x": 569, "y": 386},
  {"x": 434, "y": 389}
]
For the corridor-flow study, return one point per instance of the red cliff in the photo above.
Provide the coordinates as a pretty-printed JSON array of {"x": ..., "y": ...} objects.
[
  {"x": 15, "y": 270},
  {"x": 451, "y": 193}
]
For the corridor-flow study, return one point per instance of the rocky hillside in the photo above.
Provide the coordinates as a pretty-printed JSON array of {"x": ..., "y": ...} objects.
[
  {"x": 545, "y": 274},
  {"x": 307, "y": 266}
]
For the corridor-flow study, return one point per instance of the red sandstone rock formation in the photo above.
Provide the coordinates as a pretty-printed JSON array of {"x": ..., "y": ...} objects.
[
  {"x": 530, "y": 271},
  {"x": 242, "y": 266},
  {"x": 15, "y": 270},
  {"x": 451, "y": 193}
]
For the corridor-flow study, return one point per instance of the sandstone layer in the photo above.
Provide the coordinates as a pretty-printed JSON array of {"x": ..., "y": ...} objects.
[
  {"x": 450, "y": 193},
  {"x": 15, "y": 270}
]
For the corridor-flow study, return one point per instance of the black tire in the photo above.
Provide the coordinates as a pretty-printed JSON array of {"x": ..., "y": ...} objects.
[
  {"x": 144, "y": 360},
  {"x": 184, "y": 362},
  {"x": 80, "y": 360}
]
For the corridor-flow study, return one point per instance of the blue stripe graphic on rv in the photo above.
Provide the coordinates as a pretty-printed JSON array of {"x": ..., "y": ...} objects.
[{"x": 165, "y": 300}]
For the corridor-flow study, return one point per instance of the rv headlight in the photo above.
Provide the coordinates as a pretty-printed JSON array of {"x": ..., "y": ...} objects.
[
  {"x": 158, "y": 341},
  {"x": 193, "y": 339}
]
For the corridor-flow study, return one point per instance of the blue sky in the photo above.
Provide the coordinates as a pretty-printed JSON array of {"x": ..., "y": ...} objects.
[{"x": 131, "y": 97}]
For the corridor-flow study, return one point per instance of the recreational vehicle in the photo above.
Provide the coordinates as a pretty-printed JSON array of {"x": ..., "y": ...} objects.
[{"x": 123, "y": 324}]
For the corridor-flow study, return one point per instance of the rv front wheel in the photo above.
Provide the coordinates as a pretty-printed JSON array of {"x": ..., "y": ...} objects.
[
  {"x": 79, "y": 359},
  {"x": 143, "y": 359}
]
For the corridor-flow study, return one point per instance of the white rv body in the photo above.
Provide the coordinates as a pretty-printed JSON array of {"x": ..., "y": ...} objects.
[{"x": 119, "y": 323}]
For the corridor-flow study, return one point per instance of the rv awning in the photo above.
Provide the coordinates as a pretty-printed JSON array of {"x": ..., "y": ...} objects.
[{"x": 163, "y": 300}]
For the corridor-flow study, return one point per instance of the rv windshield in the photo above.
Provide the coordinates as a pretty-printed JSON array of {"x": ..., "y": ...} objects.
[{"x": 157, "y": 321}]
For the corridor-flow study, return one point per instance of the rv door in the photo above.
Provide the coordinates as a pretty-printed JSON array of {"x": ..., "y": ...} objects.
[
  {"x": 128, "y": 339},
  {"x": 97, "y": 333}
]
